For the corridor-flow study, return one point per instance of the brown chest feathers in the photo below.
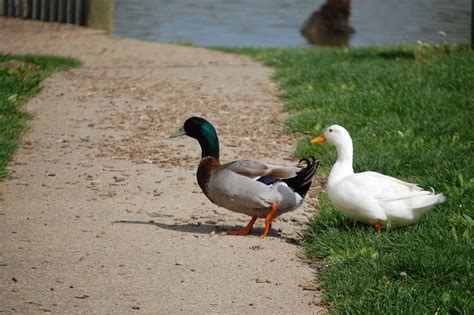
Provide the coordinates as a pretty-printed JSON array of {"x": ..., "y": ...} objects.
[{"x": 206, "y": 166}]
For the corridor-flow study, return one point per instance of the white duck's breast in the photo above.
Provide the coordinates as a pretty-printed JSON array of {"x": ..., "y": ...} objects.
[{"x": 355, "y": 198}]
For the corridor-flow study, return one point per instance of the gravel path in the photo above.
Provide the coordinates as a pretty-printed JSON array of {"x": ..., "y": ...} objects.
[{"x": 104, "y": 214}]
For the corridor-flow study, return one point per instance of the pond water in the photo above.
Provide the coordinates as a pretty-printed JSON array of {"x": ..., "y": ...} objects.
[{"x": 276, "y": 23}]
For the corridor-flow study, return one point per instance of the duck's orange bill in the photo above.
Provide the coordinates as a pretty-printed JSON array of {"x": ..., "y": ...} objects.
[{"x": 321, "y": 138}]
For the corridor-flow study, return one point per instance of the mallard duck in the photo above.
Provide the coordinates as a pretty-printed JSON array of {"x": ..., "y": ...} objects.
[
  {"x": 371, "y": 197},
  {"x": 257, "y": 189}
]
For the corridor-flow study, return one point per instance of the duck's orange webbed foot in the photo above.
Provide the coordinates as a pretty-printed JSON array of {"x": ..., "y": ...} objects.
[
  {"x": 377, "y": 227},
  {"x": 268, "y": 220},
  {"x": 244, "y": 231}
]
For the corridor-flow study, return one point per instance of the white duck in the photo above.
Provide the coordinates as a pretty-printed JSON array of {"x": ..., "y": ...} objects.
[{"x": 371, "y": 197}]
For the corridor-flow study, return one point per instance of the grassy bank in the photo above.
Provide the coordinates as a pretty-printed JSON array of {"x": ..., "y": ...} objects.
[
  {"x": 410, "y": 112},
  {"x": 20, "y": 78}
]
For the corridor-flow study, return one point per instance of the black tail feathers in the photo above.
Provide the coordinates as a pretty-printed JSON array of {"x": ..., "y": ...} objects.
[{"x": 303, "y": 179}]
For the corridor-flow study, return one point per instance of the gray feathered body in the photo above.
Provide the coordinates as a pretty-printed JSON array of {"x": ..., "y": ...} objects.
[
  {"x": 242, "y": 194},
  {"x": 235, "y": 186}
]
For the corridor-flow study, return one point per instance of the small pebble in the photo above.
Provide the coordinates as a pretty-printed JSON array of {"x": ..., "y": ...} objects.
[
  {"x": 260, "y": 280},
  {"x": 316, "y": 300}
]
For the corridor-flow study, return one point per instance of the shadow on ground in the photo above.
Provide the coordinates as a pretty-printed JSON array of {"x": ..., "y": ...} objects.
[{"x": 205, "y": 228}]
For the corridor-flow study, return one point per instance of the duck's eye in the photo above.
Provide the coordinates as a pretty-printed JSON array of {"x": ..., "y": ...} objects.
[{"x": 330, "y": 130}]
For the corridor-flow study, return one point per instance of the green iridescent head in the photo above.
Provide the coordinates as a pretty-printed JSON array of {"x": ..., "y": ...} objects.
[{"x": 203, "y": 131}]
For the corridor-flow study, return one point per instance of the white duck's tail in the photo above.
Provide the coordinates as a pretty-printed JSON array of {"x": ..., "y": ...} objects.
[
  {"x": 413, "y": 206},
  {"x": 441, "y": 197},
  {"x": 431, "y": 200},
  {"x": 422, "y": 204}
]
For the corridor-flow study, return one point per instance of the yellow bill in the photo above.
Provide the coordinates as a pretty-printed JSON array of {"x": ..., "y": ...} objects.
[{"x": 321, "y": 138}]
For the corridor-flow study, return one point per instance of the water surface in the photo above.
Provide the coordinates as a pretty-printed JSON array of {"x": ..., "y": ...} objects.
[{"x": 276, "y": 23}]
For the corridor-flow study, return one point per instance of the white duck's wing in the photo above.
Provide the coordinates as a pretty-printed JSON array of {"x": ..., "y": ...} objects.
[
  {"x": 255, "y": 170},
  {"x": 386, "y": 188}
]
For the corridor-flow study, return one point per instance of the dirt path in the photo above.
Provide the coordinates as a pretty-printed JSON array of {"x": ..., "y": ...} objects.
[{"x": 104, "y": 214}]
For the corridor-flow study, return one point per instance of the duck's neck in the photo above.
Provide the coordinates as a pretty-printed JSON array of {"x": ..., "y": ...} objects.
[
  {"x": 209, "y": 143},
  {"x": 209, "y": 157},
  {"x": 343, "y": 165}
]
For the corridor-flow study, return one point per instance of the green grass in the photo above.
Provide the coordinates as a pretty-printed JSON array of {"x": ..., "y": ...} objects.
[
  {"x": 20, "y": 78},
  {"x": 410, "y": 112}
]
